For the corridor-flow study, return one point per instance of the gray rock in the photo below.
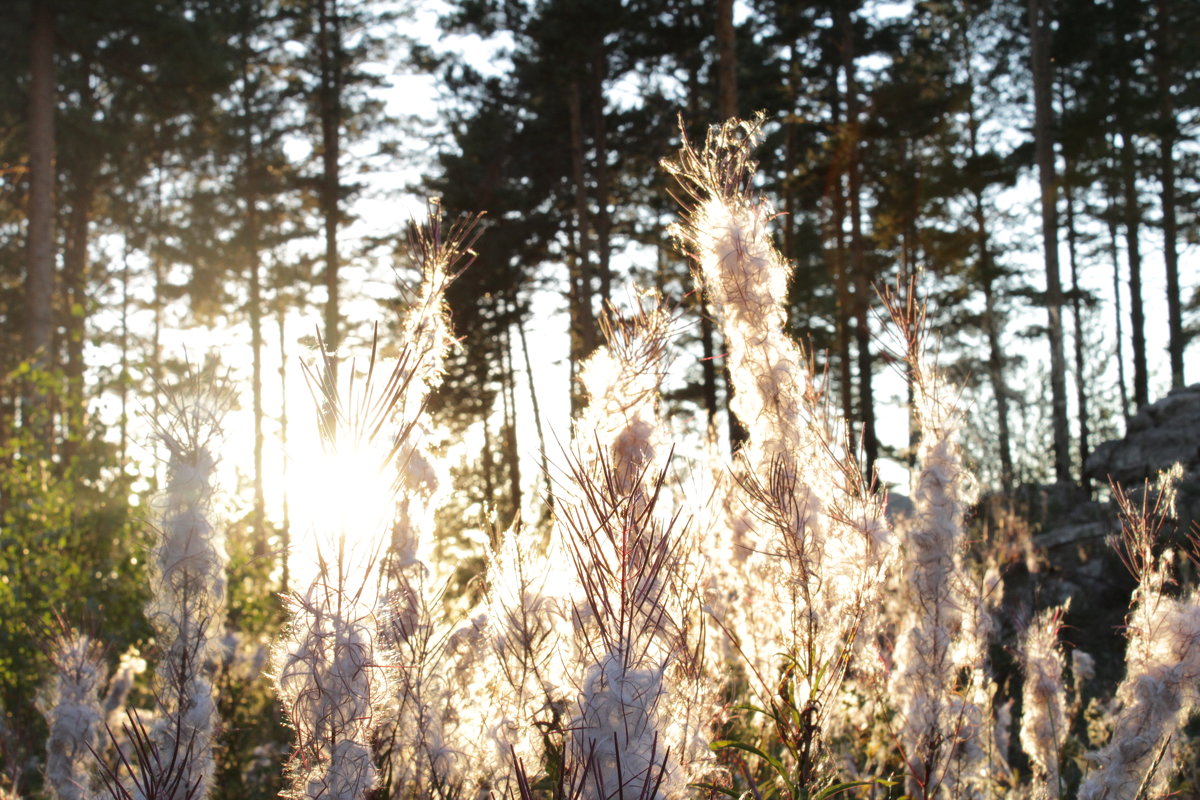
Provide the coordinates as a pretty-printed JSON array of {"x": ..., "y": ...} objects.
[{"x": 1158, "y": 436}]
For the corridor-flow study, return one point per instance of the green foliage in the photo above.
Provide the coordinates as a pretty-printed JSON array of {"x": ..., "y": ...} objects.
[{"x": 72, "y": 551}]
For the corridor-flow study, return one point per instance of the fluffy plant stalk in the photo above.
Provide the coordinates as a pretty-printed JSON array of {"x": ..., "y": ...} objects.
[
  {"x": 638, "y": 732},
  {"x": 1044, "y": 718},
  {"x": 329, "y": 683},
  {"x": 130, "y": 666},
  {"x": 428, "y": 701},
  {"x": 528, "y": 608},
  {"x": 619, "y": 737},
  {"x": 944, "y": 727},
  {"x": 74, "y": 716},
  {"x": 1161, "y": 688},
  {"x": 188, "y": 603},
  {"x": 814, "y": 547},
  {"x": 441, "y": 252}
]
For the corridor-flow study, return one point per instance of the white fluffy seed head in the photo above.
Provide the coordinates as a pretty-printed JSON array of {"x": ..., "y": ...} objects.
[
  {"x": 72, "y": 710},
  {"x": 1044, "y": 721}
]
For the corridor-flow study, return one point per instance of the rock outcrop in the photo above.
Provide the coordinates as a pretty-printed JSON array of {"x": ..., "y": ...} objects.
[{"x": 1160, "y": 435}]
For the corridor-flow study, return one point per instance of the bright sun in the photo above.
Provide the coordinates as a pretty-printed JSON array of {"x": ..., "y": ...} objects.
[{"x": 343, "y": 504}]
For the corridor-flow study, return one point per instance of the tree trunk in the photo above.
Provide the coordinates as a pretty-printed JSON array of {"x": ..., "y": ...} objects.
[
  {"x": 156, "y": 266},
  {"x": 1044, "y": 145},
  {"x": 1081, "y": 395},
  {"x": 39, "y": 280},
  {"x": 285, "y": 530},
  {"x": 836, "y": 188},
  {"x": 859, "y": 277},
  {"x": 1133, "y": 222},
  {"x": 123, "y": 379},
  {"x": 708, "y": 364},
  {"x": 537, "y": 416},
  {"x": 600, "y": 142},
  {"x": 250, "y": 234},
  {"x": 75, "y": 274},
  {"x": 996, "y": 377},
  {"x": 1127, "y": 17},
  {"x": 727, "y": 108},
  {"x": 790, "y": 156},
  {"x": 74, "y": 313},
  {"x": 75, "y": 279},
  {"x": 512, "y": 452},
  {"x": 256, "y": 346},
  {"x": 727, "y": 88},
  {"x": 1163, "y": 63},
  {"x": 1110, "y": 219},
  {"x": 991, "y": 315},
  {"x": 329, "y": 51},
  {"x": 488, "y": 470},
  {"x": 583, "y": 322}
]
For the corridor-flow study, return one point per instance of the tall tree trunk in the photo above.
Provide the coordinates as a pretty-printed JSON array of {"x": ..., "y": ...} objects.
[
  {"x": 329, "y": 51},
  {"x": 123, "y": 379},
  {"x": 1163, "y": 64},
  {"x": 789, "y": 154},
  {"x": 253, "y": 264},
  {"x": 156, "y": 267},
  {"x": 991, "y": 314},
  {"x": 599, "y": 69},
  {"x": 727, "y": 88},
  {"x": 285, "y": 531},
  {"x": 1081, "y": 395},
  {"x": 1133, "y": 221},
  {"x": 74, "y": 313},
  {"x": 39, "y": 279},
  {"x": 836, "y": 188},
  {"x": 1044, "y": 146},
  {"x": 488, "y": 469},
  {"x": 988, "y": 278},
  {"x": 860, "y": 278},
  {"x": 75, "y": 278},
  {"x": 1127, "y": 19},
  {"x": 991, "y": 322},
  {"x": 1114, "y": 248},
  {"x": 512, "y": 453},
  {"x": 537, "y": 416},
  {"x": 727, "y": 107},
  {"x": 583, "y": 322},
  {"x": 708, "y": 364},
  {"x": 256, "y": 346}
]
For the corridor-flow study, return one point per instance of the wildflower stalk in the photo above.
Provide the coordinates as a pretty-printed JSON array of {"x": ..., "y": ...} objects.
[
  {"x": 813, "y": 546},
  {"x": 529, "y": 615},
  {"x": 434, "y": 662},
  {"x": 73, "y": 714},
  {"x": 945, "y": 728},
  {"x": 329, "y": 683},
  {"x": 441, "y": 251},
  {"x": 1161, "y": 688},
  {"x": 1044, "y": 717},
  {"x": 188, "y": 603},
  {"x": 632, "y": 735}
]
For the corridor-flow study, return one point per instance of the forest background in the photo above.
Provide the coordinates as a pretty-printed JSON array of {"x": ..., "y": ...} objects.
[{"x": 228, "y": 180}]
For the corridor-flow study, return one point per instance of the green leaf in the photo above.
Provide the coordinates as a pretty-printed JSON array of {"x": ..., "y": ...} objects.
[
  {"x": 838, "y": 788},
  {"x": 722, "y": 744},
  {"x": 714, "y": 788}
]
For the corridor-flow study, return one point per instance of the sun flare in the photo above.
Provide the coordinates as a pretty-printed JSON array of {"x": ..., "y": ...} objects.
[{"x": 343, "y": 503}]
